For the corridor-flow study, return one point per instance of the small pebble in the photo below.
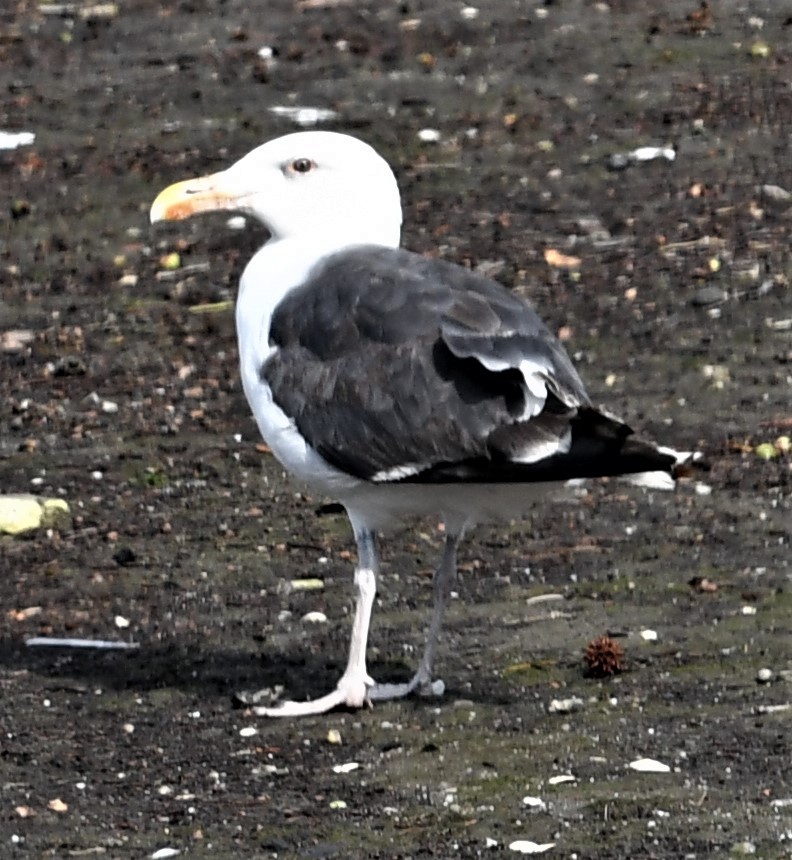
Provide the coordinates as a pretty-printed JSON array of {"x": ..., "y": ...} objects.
[
  {"x": 776, "y": 193},
  {"x": 248, "y": 732},
  {"x": 649, "y": 635},
  {"x": 333, "y": 736},
  {"x": 749, "y": 610},
  {"x": 711, "y": 295},
  {"x": 347, "y": 767},
  {"x": 315, "y": 618},
  {"x": 429, "y": 135},
  {"x": 764, "y": 676}
]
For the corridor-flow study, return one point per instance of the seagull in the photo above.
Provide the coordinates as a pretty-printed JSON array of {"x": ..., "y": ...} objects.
[{"x": 397, "y": 384}]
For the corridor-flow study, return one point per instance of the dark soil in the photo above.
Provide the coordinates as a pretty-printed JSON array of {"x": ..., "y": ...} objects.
[{"x": 678, "y": 315}]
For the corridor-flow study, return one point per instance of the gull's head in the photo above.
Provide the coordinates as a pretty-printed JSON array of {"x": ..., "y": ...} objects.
[{"x": 310, "y": 185}]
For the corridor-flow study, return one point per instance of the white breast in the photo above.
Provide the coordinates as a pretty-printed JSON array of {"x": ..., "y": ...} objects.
[{"x": 275, "y": 270}]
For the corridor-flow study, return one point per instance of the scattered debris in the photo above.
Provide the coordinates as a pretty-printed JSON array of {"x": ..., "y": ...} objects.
[
  {"x": 93, "y": 11},
  {"x": 347, "y": 767},
  {"x": 565, "y": 706},
  {"x": 561, "y": 779},
  {"x": 164, "y": 853},
  {"x": 525, "y": 846},
  {"x": 310, "y": 584},
  {"x": 16, "y": 340},
  {"x": 561, "y": 261},
  {"x": 429, "y": 135},
  {"x": 15, "y": 139},
  {"x": 703, "y": 585},
  {"x": 55, "y": 642},
  {"x": 604, "y": 656},
  {"x": 776, "y": 193},
  {"x": 21, "y": 513},
  {"x": 305, "y": 117},
  {"x": 621, "y": 160},
  {"x": 649, "y": 765}
]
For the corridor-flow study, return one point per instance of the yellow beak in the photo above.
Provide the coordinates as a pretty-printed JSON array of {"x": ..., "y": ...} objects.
[{"x": 191, "y": 197}]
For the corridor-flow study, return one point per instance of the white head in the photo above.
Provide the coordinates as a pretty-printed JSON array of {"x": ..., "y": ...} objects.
[{"x": 314, "y": 184}]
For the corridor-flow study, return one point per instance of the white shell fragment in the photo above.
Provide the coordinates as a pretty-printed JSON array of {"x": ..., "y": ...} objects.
[
  {"x": 248, "y": 732},
  {"x": 535, "y": 803},
  {"x": 561, "y": 779},
  {"x": 525, "y": 846},
  {"x": 315, "y": 617},
  {"x": 649, "y": 153},
  {"x": 649, "y": 635},
  {"x": 164, "y": 853},
  {"x": 649, "y": 765},
  {"x": 748, "y": 610},
  {"x": 621, "y": 160},
  {"x": 304, "y": 116},
  {"x": 14, "y": 139},
  {"x": 347, "y": 767}
]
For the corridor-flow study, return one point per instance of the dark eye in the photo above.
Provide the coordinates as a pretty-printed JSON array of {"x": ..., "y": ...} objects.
[{"x": 302, "y": 165}]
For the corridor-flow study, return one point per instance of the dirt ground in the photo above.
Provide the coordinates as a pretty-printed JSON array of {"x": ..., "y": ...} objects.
[{"x": 122, "y": 396}]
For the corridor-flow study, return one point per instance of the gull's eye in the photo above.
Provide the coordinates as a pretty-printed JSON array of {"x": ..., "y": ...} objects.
[{"x": 300, "y": 165}]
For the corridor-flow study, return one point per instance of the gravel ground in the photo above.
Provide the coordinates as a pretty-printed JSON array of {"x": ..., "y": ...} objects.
[{"x": 510, "y": 127}]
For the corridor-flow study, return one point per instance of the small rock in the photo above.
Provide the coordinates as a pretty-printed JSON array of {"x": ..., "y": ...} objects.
[
  {"x": 776, "y": 193},
  {"x": 23, "y": 512},
  {"x": 649, "y": 635},
  {"x": 565, "y": 706},
  {"x": 764, "y": 676},
  {"x": 16, "y": 340},
  {"x": 347, "y": 767},
  {"x": 315, "y": 617},
  {"x": 710, "y": 295},
  {"x": 333, "y": 736},
  {"x": 429, "y": 135}
]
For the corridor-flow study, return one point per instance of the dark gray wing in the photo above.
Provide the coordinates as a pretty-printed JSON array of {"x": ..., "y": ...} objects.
[{"x": 396, "y": 367}]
